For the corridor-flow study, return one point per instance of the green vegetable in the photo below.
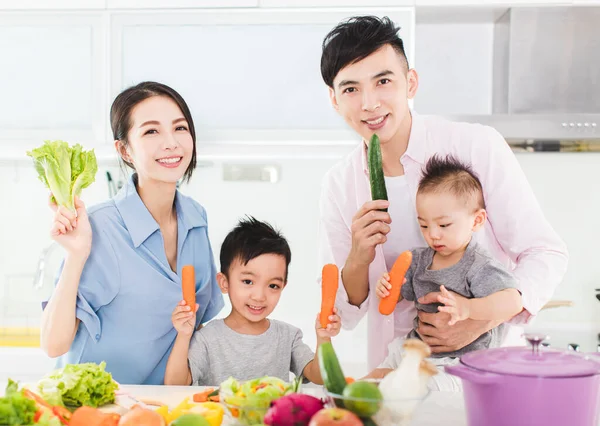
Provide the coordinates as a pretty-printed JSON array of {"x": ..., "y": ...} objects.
[
  {"x": 367, "y": 421},
  {"x": 64, "y": 170},
  {"x": 378, "y": 191},
  {"x": 251, "y": 400},
  {"x": 331, "y": 371},
  {"x": 79, "y": 384},
  {"x": 15, "y": 408},
  {"x": 48, "y": 419},
  {"x": 363, "y": 398}
]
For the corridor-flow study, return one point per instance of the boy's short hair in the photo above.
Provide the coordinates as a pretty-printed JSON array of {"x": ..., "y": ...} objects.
[
  {"x": 355, "y": 39},
  {"x": 252, "y": 238},
  {"x": 450, "y": 174}
]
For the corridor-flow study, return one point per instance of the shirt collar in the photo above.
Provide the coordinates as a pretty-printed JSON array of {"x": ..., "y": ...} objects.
[
  {"x": 416, "y": 142},
  {"x": 138, "y": 220}
]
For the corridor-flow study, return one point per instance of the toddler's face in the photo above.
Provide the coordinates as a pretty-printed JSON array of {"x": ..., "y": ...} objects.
[{"x": 447, "y": 222}]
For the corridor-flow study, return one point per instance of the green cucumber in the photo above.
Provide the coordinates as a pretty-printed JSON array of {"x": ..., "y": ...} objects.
[
  {"x": 368, "y": 421},
  {"x": 378, "y": 190},
  {"x": 331, "y": 371}
]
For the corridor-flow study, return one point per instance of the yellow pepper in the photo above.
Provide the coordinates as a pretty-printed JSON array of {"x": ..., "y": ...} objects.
[
  {"x": 163, "y": 410},
  {"x": 212, "y": 411},
  {"x": 181, "y": 409}
]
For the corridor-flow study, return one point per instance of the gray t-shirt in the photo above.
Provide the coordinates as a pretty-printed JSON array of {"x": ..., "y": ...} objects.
[
  {"x": 477, "y": 274},
  {"x": 217, "y": 353}
]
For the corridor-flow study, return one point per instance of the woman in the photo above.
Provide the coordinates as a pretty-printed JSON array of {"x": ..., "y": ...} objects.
[{"x": 121, "y": 275}]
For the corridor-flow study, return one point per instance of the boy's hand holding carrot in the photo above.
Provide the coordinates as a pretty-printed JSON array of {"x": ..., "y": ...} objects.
[
  {"x": 184, "y": 319},
  {"x": 333, "y": 327},
  {"x": 184, "y": 315}
]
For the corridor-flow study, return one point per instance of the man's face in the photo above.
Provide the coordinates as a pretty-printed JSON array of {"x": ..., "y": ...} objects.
[{"x": 372, "y": 94}]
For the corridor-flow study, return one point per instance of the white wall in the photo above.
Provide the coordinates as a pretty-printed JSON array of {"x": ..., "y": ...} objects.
[{"x": 454, "y": 63}]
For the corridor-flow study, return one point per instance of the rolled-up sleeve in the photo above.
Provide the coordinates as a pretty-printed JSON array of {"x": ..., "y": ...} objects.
[
  {"x": 99, "y": 282},
  {"x": 335, "y": 241},
  {"x": 519, "y": 224}
]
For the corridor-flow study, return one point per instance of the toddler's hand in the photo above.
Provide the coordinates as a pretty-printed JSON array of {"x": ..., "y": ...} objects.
[
  {"x": 456, "y": 305},
  {"x": 383, "y": 286}
]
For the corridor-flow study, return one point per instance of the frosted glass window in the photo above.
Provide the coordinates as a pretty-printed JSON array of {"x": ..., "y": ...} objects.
[{"x": 45, "y": 77}]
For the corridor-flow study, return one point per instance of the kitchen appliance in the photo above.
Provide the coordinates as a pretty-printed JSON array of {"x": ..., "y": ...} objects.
[
  {"x": 546, "y": 79},
  {"x": 521, "y": 386}
]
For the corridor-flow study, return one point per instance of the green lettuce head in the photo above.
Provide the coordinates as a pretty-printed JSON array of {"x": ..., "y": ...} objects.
[{"x": 64, "y": 170}]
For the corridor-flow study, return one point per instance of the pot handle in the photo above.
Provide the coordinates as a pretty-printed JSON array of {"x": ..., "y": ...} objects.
[{"x": 472, "y": 375}]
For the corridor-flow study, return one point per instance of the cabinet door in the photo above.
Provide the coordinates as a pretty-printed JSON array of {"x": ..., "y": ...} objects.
[
  {"x": 246, "y": 74},
  {"x": 51, "y": 4},
  {"x": 333, "y": 3},
  {"x": 178, "y": 4},
  {"x": 51, "y": 77},
  {"x": 490, "y": 3}
]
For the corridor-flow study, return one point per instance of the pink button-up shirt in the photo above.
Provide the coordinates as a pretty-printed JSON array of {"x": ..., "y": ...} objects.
[{"x": 516, "y": 232}]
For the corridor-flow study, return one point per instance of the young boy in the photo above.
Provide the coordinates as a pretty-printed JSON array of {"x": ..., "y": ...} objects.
[
  {"x": 450, "y": 208},
  {"x": 246, "y": 344}
]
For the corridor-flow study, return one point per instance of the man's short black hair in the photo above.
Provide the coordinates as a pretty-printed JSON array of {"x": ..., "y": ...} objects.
[
  {"x": 355, "y": 39},
  {"x": 252, "y": 238}
]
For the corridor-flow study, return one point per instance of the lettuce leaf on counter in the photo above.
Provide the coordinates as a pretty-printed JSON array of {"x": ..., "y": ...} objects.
[
  {"x": 64, "y": 170},
  {"x": 48, "y": 420},
  {"x": 79, "y": 384},
  {"x": 15, "y": 408}
]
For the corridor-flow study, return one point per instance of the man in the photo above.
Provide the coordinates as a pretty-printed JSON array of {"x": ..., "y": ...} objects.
[{"x": 370, "y": 82}]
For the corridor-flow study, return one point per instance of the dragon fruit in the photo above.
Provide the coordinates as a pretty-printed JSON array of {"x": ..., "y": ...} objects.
[{"x": 293, "y": 410}]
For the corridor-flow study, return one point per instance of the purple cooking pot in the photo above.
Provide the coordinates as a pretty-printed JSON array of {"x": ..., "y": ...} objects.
[{"x": 520, "y": 386}]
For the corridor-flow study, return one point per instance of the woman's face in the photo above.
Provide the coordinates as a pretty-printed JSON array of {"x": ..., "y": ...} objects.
[{"x": 160, "y": 144}]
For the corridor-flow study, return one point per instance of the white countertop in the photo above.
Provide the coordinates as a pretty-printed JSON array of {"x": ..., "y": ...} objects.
[{"x": 448, "y": 406}]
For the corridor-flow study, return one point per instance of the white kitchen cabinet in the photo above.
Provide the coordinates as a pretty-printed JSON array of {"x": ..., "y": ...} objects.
[
  {"x": 51, "y": 76},
  {"x": 492, "y": 3},
  {"x": 334, "y": 3},
  {"x": 177, "y": 4},
  {"x": 51, "y": 4},
  {"x": 246, "y": 74}
]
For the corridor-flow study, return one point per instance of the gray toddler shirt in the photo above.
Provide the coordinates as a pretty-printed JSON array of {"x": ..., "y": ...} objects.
[{"x": 477, "y": 274}]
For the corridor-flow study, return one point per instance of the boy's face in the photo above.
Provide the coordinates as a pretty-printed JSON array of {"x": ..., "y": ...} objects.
[
  {"x": 255, "y": 288},
  {"x": 372, "y": 94},
  {"x": 447, "y": 222}
]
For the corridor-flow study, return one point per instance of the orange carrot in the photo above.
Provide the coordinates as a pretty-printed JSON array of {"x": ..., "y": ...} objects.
[
  {"x": 401, "y": 265},
  {"x": 329, "y": 287},
  {"x": 188, "y": 285},
  {"x": 204, "y": 396}
]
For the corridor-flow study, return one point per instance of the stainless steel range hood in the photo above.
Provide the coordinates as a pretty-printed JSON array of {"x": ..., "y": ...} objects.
[{"x": 546, "y": 75}]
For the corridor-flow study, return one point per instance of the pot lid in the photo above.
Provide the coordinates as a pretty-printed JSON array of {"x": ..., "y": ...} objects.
[{"x": 533, "y": 361}]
